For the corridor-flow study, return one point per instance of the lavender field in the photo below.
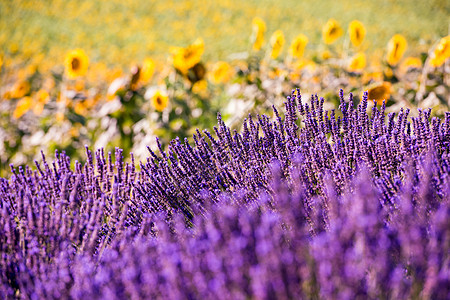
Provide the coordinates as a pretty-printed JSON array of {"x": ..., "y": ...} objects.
[
  {"x": 235, "y": 150},
  {"x": 348, "y": 207}
]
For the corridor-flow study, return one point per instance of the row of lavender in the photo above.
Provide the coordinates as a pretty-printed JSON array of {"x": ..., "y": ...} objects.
[{"x": 312, "y": 205}]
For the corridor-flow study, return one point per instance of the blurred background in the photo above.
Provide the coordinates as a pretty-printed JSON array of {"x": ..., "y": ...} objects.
[
  {"x": 124, "y": 32},
  {"x": 119, "y": 73}
]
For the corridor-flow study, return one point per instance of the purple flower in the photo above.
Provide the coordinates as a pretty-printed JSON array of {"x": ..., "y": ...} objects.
[{"x": 312, "y": 204}]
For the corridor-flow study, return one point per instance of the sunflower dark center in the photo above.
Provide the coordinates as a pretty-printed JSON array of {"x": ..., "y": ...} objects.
[
  {"x": 396, "y": 48},
  {"x": 377, "y": 93},
  {"x": 76, "y": 63},
  {"x": 188, "y": 53},
  {"x": 333, "y": 30}
]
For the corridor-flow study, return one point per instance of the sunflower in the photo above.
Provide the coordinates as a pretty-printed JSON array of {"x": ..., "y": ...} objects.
[
  {"x": 147, "y": 70},
  {"x": 81, "y": 108},
  {"x": 160, "y": 100},
  {"x": 410, "y": 63},
  {"x": 304, "y": 64},
  {"x": 357, "y": 62},
  {"x": 396, "y": 48},
  {"x": 23, "y": 105},
  {"x": 221, "y": 72},
  {"x": 326, "y": 55},
  {"x": 369, "y": 77},
  {"x": 1, "y": 62},
  {"x": 357, "y": 32},
  {"x": 76, "y": 63},
  {"x": 380, "y": 92},
  {"x": 186, "y": 58},
  {"x": 331, "y": 31},
  {"x": 277, "y": 43},
  {"x": 200, "y": 88},
  {"x": 20, "y": 89},
  {"x": 441, "y": 53},
  {"x": 258, "y": 30},
  {"x": 42, "y": 98},
  {"x": 298, "y": 46}
]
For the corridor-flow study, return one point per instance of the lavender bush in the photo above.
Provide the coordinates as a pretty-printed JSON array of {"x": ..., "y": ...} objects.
[{"x": 316, "y": 204}]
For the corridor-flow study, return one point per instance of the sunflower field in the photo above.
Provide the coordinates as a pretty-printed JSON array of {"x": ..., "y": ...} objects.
[{"x": 232, "y": 150}]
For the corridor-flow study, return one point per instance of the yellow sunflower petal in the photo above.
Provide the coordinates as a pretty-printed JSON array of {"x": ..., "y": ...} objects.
[
  {"x": 410, "y": 63},
  {"x": 441, "y": 52},
  {"x": 23, "y": 105},
  {"x": 20, "y": 89},
  {"x": 221, "y": 72},
  {"x": 357, "y": 62}
]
